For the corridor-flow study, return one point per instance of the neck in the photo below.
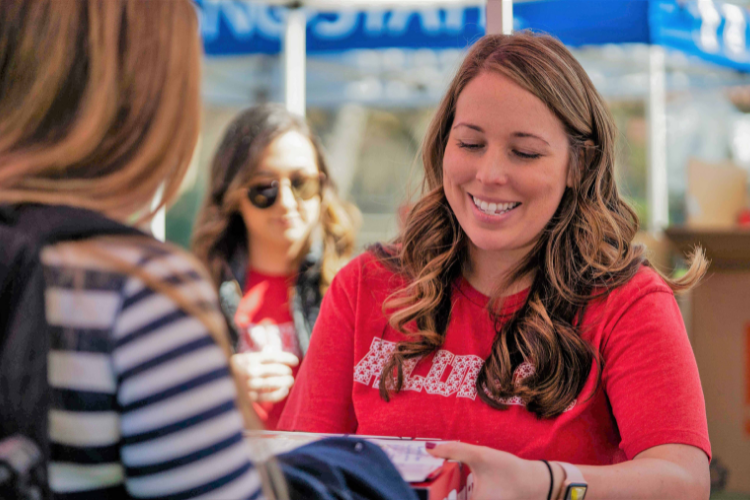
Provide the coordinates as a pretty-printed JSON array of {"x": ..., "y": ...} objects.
[
  {"x": 492, "y": 272},
  {"x": 270, "y": 258}
]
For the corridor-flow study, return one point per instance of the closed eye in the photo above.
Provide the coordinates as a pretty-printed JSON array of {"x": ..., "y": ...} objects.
[
  {"x": 470, "y": 146},
  {"x": 526, "y": 156}
]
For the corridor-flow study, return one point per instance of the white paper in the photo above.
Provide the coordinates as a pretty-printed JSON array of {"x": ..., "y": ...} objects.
[{"x": 410, "y": 457}]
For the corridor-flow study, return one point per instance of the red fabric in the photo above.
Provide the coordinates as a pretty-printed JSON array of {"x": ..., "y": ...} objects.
[
  {"x": 650, "y": 392},
  {"x": 265, "y": 322}
]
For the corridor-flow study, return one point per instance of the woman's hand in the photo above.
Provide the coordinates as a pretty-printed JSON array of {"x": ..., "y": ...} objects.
[
  {"x": 268, "y": 373},
  {"x": 497, "y": 475}
]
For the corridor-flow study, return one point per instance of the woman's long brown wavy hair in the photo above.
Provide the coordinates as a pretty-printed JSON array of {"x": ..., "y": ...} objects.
[
  {"x": 585, "y": 250},
  {"x": 220, "y": 231}
]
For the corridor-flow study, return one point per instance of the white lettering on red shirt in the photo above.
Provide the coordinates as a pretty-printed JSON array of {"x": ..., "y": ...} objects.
[
  {"x": 372, "y": 364},
  {"x": 461, "y": 380}
]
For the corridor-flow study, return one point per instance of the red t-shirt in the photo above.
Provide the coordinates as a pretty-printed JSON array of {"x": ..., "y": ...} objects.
[
  {"x": 650, "y": 392},
  {"x": 264, "y": 322}
]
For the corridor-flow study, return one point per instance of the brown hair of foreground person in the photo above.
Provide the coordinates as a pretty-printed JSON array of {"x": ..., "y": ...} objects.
[
  {"x": 100, "y": 102},
  {"x": 585, "y": 250}
]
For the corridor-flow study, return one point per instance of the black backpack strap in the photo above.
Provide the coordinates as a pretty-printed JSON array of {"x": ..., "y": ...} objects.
[
  {"x": 24, "y": 338},
  {"x": 26, "y": 229}
]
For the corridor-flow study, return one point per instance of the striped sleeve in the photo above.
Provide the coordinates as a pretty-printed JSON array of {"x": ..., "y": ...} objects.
[
  {"x": 142, "y": 401},
  {"x": 181, "y": 433},
  {"x": 83, "y": 420}
]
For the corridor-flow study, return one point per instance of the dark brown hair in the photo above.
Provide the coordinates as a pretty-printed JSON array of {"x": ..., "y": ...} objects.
[{"x": 584, "y": 251}]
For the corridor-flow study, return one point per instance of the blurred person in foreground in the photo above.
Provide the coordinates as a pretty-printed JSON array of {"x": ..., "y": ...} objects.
[
  {"x": 272, "y": 232},
  {"x": 514, "y": 312},
  {"x": 100, "y": 110}
]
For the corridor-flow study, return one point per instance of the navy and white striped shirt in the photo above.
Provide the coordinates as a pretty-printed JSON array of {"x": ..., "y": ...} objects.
[{"x": 143, "y": 403}]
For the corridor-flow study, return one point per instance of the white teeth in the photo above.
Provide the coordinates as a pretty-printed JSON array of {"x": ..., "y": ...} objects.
[{"x": 494, "y": 208}]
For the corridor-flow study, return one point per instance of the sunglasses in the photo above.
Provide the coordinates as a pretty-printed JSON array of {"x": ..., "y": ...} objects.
[{"x": 264, "y": 194}]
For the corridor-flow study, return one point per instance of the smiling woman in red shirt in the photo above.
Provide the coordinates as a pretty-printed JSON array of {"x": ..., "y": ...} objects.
[{"x": 514, "y": 313}]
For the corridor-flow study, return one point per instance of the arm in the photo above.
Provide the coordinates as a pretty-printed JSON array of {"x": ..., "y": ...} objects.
[
  {"x": 671, "y": 471},
  {"x": 181, "y": 430},
  {"x": 652, "y": 383},
  {"x": 321, "y": 398},
  {"x": 667, "y": 471}
]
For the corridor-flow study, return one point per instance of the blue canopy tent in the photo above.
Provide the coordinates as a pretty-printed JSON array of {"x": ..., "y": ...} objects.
[{"x": 711, "y": 30}]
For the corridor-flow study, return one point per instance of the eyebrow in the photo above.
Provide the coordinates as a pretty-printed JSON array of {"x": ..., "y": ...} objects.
[
  {"x": 514, "y": 134},
  {"x": 468, "y": 125},
  {"x": 266, "y": 173},
  {"x": 526, "y": 134}
]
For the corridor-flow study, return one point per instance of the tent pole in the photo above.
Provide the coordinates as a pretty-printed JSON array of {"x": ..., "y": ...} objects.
[
  {"x": 499, "y": 17},
  {"x": 657, "y": 186},
  {"x": 159, "y": 221},
  {"x": 294, "y": 55}
]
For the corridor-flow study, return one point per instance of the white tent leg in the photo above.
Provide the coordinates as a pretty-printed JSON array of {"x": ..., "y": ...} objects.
[
  {"x": 294, "y": 54},
  {"x": 159, "y": 222},
  {"x": 344, "y": 145},
  {"x": 657, "y": 187},
  {"x": 499, "y": 17}
]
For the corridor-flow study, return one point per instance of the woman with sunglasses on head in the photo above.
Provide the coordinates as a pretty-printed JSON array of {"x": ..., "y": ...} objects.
[
  {"x": 515, "y": 313},
  {"x": 272, "y": 232}
]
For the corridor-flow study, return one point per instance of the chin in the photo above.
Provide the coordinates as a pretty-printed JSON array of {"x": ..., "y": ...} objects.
[
  {"x": 492, "y": 241},
  {"x": 292, "y": 236},
  {"x": 492, "y": 247},
  {"x": 487, "y": 244}
]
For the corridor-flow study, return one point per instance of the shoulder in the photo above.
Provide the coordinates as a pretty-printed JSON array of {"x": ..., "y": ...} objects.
[
  {"x": 645, "y": 281},
  {"x": 368, "y": 269},
  {"x": 101, "y": 253},
  {"x": 131, "y": 261},
  {"x": 644, "y": 295}
]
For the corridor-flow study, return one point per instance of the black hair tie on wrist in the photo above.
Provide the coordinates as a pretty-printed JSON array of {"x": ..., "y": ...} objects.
[{"x": 551, "y": 479}]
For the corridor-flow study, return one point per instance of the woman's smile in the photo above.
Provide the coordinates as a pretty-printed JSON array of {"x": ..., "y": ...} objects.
[{"x": 489, "y": 210}]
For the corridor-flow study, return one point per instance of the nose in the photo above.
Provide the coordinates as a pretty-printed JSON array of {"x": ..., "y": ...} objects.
[
  {"x": 286, "y": 196},
  {"x": 492, "y": 168}
]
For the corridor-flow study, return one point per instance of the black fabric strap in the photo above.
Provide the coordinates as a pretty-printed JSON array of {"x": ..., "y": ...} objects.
[{"x": 551, "y": 480}]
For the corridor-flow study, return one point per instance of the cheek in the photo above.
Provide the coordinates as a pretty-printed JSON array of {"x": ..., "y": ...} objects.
[
  {"x": 548, "y": 190},
  {"x": 254, "y": 218},
  {"x": 310, "y": 210},
  {"x": 457, "y": 172},
  {"x": 254, "y": 222},
  {"x": 456, "y": 169}
]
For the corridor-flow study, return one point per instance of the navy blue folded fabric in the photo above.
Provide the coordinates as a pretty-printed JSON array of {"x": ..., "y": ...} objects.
[{"x": 342, "y": 469}]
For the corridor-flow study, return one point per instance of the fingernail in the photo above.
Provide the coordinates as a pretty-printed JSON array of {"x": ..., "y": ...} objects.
[{"x": 430, "y": 446}]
